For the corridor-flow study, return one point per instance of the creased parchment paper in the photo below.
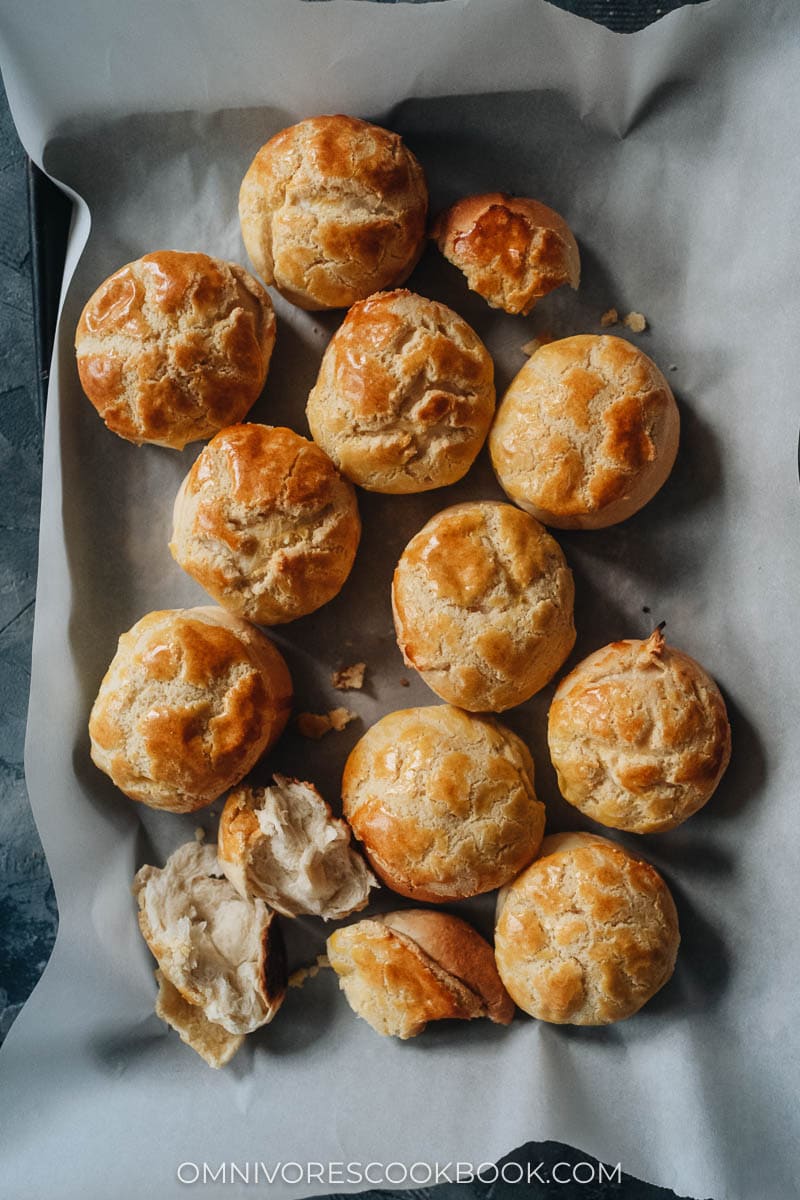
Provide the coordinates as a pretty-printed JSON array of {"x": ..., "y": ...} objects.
[{"x": 674, "y": 154}]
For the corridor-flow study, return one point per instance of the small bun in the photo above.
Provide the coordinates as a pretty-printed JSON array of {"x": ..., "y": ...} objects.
[
  {"x": 404, "y": 969},
  {"x": 586, "y": 433},
  {"x": 192, "y": 699},
  {"x": 282, "y": 845},
  {"x": 223, "y": 954},
  {"x": 587, "y": 934},
  {"x": 333, "y": 209},
  {"x": 443, "y": 802},
  {"x": 482, "y": 601},
  {"x": 512, "y": 250},
  {"x": 266, "y": 524},
  {"x": 404, "y": 396},
  {"x": 639, "y": 736},
  {"x": 174, "y": 346}
]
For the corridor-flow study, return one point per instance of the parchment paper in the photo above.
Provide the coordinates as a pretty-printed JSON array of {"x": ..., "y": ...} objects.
[{"x": 673, "y": 153}]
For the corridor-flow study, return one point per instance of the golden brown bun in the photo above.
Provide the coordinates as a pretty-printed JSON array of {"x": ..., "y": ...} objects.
[
  {"x": 402, "y": 970},
  {"x": 223, "y": 954},
  {"x": 266, "y": 524},
  {"x": 639, "y": 736},
  {"x": 512, "y": 250},
  {"x": 482, "y": 601},
  {"x": 587, "y": 934},
  {"x": 211, "y": 1041},
  {"x": 281, "y": 844},
  {"x": 404, "y": 396},
  {"x": 192, "y": 699},
  {"x": 586, "y": 433},
  {"x": 175, "y": 346},
  {"x": 443, "y": 802},
  {"x": 332, "y": 210}
]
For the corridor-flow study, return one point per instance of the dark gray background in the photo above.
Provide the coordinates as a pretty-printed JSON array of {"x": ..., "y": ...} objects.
[{"x": 28, "y": 917}]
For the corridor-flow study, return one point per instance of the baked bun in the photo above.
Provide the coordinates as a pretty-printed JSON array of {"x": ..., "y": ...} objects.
[
  {"x": 512, "y": 250},
  {"x": 224, "y": 955},
  {"x": 586, "y": 433},
  {"x": 175, "y": 346},
  {"x": 266, "y": 524},
  {"x": 211, "y": 1041},
  {"x": 405, "y": 394},
  {"x": 443, "y": 802},
  {"x": 482, "y": 601},
  {"x": 281, "y": 844},
  {"x": 192, "y": 699},
  {"x": 587, "y": 934},
  {"x": 639, "y": 736},
  {"x": 404, "y": 969},
  {"x": 332, "y": 210}
]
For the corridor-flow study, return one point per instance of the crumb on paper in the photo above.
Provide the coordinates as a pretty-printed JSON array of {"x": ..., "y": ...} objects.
[
  {"x": 542, "y": 339},
  {"x": 636, "y": 322},
  {"x": 673, "y": 366},
  {"x": 349, "y": 678},
  {"x": 405, "y": 682},
  {"x": 199, "y": 834},
  {"x": 298, "y": 977},
  {"x": 609, "y": 317},
  {"x": 316, "y": 725}
]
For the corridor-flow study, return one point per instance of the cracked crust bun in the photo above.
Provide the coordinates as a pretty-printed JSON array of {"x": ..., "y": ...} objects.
[
  {"x": 443, "y": 802},
  {"x": 587, "y": 934},
  {"x": 404, "y": 969},
  {"x": 639, "y": 736},
  {"x": 482, "y": 601},
  {"x": 512, "y": 250},
  {"x": 405, "y": 395},
  {"x": 333, "y": 209},
  {"x": 266, "y": 524},
  {"x": 174, "y": 346},
  {"x": 586, "y": 434},
  {"x": 192, "y": 699}
]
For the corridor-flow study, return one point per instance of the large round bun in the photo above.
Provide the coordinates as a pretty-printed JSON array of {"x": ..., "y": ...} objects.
[
  {"x": 174, "y": 346},
  {"x": 639, "y": 736},
  {"x": 192, "y": 699},
  {"x": 586, "y": 433},
  {"x": 266, "y": 524},
  {"x": 512, "y": 250},
  {"x": 482, "y": 601},
  {"x": 587, "y": 934},
  {"x": 404, "y": 969},
  {"x": 333, "y": 209},
  {"x": 443, "y": 802},
  {"x": 404, "y": 396}
]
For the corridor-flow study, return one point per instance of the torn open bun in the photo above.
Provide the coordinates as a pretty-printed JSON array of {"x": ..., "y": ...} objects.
[
  {"x": 211, "y": 1041},
  {"x": 223, "y": 954},
  {"x": 401, "y": 970},
  {"x": 282, "y": 845}
]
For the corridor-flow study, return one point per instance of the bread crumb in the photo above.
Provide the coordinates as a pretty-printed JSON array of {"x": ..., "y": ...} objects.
[
  {"x": 405, "y": 683},
  {"x": 349, "y": 677},
  {"x": 199, "y": 834},
  {"x": 316, "y": 725},
  {"x": 636, "y": 322},
  {"x": 298, "y": 977},
  {"x": 609, "y": 317},
  {"x": 541, "y": 339},
  {"x": 673, "y": 366}
]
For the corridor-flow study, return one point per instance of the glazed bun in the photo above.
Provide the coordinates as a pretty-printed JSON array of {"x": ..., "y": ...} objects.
[
  {"x": 443, "y": 802},
  {"x": 404, "y": 396},
  {"x": 639, "y": 736},
  {"x": 266, "y": 524},
  {"x": 174, "y": 346},
  {"x": 192, "y": 699},
  {"x": 404, "y": 969},
  {"x": 587, "y": 934},
  {"x": 586, "y": 433},
  {"x": 281, "y": 844},
  {"x": 482, "y": 601},
  {"x": 512, "y": 250},
  {"x": 333, "y": 209}
]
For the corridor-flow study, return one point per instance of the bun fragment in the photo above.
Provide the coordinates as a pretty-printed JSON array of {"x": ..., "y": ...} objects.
[
  {"x": 211, "y": 1041},
  {"x": 282, "y": 845},
  {"x": 402, "y": 970}
]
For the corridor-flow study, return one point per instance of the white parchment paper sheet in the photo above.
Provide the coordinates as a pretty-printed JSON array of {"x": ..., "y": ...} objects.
[{"x": 674, "y": 154}]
